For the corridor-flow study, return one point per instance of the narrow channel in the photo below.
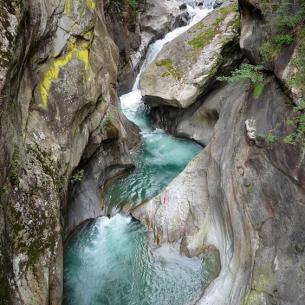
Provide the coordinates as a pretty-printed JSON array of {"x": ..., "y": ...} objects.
[{"x": 110, "y": 261}]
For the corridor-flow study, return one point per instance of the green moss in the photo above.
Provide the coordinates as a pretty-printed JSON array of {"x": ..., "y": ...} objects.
[
  {"x": 34, "y": 251},
  {"x": 202, "y": 39},
  {"x": 206, "y": 36},
  {"x": 74, "y": 51},
  {"x": 253, "y": 298},
  {"x": 15, "y": 167},
  {"x": 90, "y": 4},
  {"x": 263, "y": 278},
  {"x": 224, "y": 11},
  {"x": 169, "y": 66}
]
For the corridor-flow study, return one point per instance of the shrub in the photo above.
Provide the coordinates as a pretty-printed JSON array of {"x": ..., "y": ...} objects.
[
  {"x": 298, "y": 135},
  {"x": 270, "y": 138},
  {"x": 282, "y": 40},
  {"x": 133, "y": 4},
  {"x": 285, "y": 18},
  {"x": 247, "y": 73},
  {"x": 78, "y": 176}
]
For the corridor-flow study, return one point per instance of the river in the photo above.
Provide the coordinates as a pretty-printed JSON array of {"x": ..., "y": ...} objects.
[{"x": 110, "y": 261}]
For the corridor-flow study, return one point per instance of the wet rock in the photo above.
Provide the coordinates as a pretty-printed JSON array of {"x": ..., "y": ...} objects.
[
  {"x": 153, "y": 21},
  {"x": 246, "y": 200},
  {"x": 187, "y": 67}
]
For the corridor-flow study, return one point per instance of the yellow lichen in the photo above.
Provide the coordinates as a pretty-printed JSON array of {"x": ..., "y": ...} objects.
[
  {"x": 90, "y": 4},
  {"x": 68, "y": 7},
  {"x": 74, "y": 51}
]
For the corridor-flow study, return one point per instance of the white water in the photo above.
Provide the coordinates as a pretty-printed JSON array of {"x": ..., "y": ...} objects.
[
  {"x": 109, "y": 262},
  {"x": 162, "y": 156},
  {"x": 131, "y": 102}
]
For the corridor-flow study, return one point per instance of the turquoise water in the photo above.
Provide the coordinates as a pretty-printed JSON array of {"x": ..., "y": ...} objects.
[
  {"x": 160, "y": 159},
  {"x": 109, "y": 262}
]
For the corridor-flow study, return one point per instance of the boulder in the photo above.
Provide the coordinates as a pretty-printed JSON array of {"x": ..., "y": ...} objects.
[{"x": 187, "y": 67}]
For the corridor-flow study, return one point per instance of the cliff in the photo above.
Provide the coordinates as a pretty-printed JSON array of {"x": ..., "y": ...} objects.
[{"x": 244, "y": 194}]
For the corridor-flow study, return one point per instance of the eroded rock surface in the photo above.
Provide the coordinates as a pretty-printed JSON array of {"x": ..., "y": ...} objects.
[
  {"x": 59, "y": 109},
  {"x": 264, "y": 25},
  {"x": 244, "y": 197},
  {"x": 134, "y": 30},
  {"x": 186, "y": 67}
]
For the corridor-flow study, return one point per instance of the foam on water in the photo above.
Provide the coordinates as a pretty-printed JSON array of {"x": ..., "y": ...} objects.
[{"x": 109, "y": 261}]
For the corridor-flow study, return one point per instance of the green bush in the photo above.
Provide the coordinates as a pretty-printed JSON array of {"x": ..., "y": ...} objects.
[
  {"x": 285, "y": 17},
  {"x": 78, "y": 176},
  {"x": 245, "y": 74},
  {"x": 270, "y": 138},
  {"x": 298, "y": 135},
  {"x": 133, "y": 4},
  {"x": 283, "y": 40}
]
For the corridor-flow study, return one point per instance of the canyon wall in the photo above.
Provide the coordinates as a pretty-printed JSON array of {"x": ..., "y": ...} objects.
[
  {"x": 244, "y": 194},
  {"x": 62, "y": 135}
]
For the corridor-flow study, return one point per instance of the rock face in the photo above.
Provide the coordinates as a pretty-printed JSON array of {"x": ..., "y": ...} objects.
[
  {"x": 59, "y": 112},
  {"x": 273, "y": 35},
  {"x": 244, "y": 197},
  {"x": 197, "y": 121},
  {"x": 186, "y": 67},
  {"x": 244, "y": 194},
  {"x": 133, "y": 31}
]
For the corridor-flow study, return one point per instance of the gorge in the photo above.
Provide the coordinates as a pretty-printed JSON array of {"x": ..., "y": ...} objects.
[{"x": 188, "y": 189}]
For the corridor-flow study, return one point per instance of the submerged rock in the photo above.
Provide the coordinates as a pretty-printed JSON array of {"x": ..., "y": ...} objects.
[{"x": 187, "y": 67}]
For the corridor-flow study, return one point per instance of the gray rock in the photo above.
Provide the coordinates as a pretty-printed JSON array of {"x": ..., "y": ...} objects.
[
  {"x": 187, "y": 67},
  {"x": 155, "y": 19},
  {"x": 257, "y": 31},
  {"x": 59, "y": 109},
  {"x": 244, "y": 198}
]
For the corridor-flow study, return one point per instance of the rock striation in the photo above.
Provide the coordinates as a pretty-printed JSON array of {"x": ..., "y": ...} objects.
[
  {"x": 244, "y": 194},
  {"x": 59, "y": 115}
]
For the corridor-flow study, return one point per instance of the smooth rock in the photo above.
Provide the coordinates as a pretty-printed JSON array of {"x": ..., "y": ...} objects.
[{"x": 187, "y": 66}]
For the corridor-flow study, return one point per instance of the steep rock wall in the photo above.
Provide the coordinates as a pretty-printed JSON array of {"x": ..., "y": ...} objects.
[
  {"x": 59, "y": 112},
  {"x": 244, "y": 193}
]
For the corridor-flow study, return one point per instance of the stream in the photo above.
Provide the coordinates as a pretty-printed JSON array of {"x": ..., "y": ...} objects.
[{"x": 110, "y": 261}]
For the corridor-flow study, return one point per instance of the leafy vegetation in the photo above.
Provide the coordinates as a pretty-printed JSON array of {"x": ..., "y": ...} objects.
[
  {"x": 298, "y": 121},
  {"x": 285, "y": 27},
  {"x": 270, "y": 138},
  {"x": 78, "y": 176},
  {"x": 298, "y": 78},
  {"x": 133, "y": 4},
  {"x": 118, "y": 6},
  {"x": 245, "y": 74}
]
